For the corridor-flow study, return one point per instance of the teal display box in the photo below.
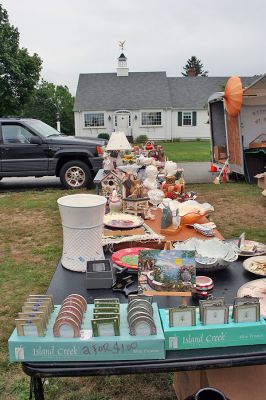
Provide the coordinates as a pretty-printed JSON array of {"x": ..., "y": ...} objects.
[
  {"x": 89, "y": 348},
  {"x": 206, "y": 336}
]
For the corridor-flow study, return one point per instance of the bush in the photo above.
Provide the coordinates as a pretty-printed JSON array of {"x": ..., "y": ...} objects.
[
  {"x": 141, "y": 139},
  {"x": 104, "y": 136}
]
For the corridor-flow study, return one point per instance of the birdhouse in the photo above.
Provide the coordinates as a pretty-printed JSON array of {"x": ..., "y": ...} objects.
[{"x": 114, "y": 180}]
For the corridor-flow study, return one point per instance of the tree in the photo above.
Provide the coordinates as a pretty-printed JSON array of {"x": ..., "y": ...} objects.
[
  {"x": 19, "y": 72},
  {"x": 49, "y": 102},
  {"x": 194, "y": 62}
]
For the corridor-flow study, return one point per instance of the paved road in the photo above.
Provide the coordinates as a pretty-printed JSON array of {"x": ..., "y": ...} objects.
[{"x": 195, "y": 172}]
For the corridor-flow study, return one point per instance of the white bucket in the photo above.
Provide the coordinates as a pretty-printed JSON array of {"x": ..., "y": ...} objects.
[{"x": 82, "y": 221}]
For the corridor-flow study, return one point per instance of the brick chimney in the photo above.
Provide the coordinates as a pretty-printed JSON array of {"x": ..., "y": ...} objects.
[{"x": 191, "y": 72}]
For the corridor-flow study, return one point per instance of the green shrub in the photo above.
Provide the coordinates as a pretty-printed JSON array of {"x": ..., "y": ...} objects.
[
  {"x": 141, "y": 139},
  {"x": 104, "y": 136}
]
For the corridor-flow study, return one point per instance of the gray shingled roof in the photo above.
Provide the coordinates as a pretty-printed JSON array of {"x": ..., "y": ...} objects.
[
  {"x": 112, "y": 92},
  {"x": 193, "y": 92},
  {"x": 140, "y": 90}
]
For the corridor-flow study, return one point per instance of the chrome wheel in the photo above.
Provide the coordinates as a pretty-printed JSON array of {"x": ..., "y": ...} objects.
[{"x": 75, "y": 176}]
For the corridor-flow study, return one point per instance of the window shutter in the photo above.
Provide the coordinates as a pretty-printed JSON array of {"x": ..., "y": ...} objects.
[
  {"x": 194, "y": 118},
  {"x": 179, "y": 118}
]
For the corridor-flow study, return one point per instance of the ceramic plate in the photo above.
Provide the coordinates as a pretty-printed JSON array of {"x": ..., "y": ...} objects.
[
  {"x": 256, "y": 288},
  {"x": 256, "y": 265},
  {"x": 128, "y": 257},
  {"x": 122, "y": 221},
  {"x": 259, "y": 248}
]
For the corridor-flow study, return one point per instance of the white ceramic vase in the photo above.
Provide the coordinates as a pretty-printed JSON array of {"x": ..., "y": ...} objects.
[{"x": 82, "y": 222}]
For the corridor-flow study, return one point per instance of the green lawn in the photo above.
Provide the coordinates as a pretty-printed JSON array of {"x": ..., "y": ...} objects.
[
  {"x": 187, "y": 150},
  {"x": 30, "y": 246}
]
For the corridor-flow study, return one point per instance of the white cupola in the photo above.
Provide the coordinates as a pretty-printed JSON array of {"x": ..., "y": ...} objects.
[{"x": 122, "y": 69}]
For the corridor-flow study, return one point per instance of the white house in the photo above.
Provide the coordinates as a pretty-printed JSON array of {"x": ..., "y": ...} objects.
[{"x": 145, "y": 103}]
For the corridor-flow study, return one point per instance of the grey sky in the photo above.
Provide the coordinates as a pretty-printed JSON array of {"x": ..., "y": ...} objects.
[{"x": 82, "y": 35}]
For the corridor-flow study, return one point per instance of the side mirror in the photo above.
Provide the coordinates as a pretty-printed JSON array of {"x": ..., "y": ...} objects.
[{"x": 35, "y": 140}]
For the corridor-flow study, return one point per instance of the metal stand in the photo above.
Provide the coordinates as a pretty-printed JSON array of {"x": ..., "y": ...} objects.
[{"x": 36, "y": 388}]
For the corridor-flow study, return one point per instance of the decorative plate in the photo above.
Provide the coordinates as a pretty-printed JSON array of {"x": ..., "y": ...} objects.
[
  {"x": 251, "y": 248},
  {"x": 128, "y": 257},
  {"x": 256, "y": 288},
  {"x": 122, "y": 221},
  {"x": 256, "y": 265}
]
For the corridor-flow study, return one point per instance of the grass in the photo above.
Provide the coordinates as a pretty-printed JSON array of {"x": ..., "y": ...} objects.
[
  {"x": 30, "y": 246},
  {"x": 184, "y": 151}
]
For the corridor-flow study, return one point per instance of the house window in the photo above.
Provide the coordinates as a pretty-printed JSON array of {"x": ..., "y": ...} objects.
[
  {"x": 151, "y": 118},
  {"x": 187, "y": 118},
  {"x": 93, "y": 119},
  {"x": 129, "y": 120},
  {"x": 115, "y": 120}
]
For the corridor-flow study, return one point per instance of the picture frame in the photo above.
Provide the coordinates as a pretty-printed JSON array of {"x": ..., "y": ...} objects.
[
  {"x": 215, "y": 314},
  {"x": 132, "y": 297},
  {"x": 244, "y": 300},
  {"x": 182, "y": 316},
  {"x": 29, "y": 326},
  {"x": 105, "y": 327},
  {"x": 99, "y": 266},
  {"x": 214, "y": 301},
  {"x": 166, "y": 272},
  {"x": 142, "y": 325},
  {"x": 107, "y": 300},
  {"x": 247, "y": 312},
  {"x": 107, "y": 309}
]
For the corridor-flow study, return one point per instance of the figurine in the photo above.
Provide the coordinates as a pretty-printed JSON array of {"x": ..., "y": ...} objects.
[
  {"x": 172, "y": 187},
  {"x": 115, "y": 202},
  {"x": 108, "y": 164},
  {"x": 151, "y": 178},
  {"x": 170, "y": 168},
  {"x": 137, "y": 191}
]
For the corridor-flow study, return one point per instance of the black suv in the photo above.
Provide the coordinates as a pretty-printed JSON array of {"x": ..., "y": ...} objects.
[{"x": 29, "y": 147}]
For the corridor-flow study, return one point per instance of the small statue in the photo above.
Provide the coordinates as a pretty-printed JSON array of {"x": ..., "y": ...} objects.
[
  {"x": 115, "y": 202},
  {"x": 137, "y": 191},
  {"x": 151, "y": 178},
  {"x": 108, "y": 164},
  {"x": 166, "y": 217}
]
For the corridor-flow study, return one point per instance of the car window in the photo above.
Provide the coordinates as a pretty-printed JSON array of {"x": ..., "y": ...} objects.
[{"x": 14, "y": 133}]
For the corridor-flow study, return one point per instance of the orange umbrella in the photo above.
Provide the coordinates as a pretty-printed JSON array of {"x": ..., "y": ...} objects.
[{"x": 233, "y": 95}]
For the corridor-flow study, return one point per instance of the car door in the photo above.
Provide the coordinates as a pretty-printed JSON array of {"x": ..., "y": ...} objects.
[{"x": 19, "y": 155}]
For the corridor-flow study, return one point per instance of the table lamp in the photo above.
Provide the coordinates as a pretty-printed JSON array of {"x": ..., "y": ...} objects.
[{"x": 117, "y": 142}]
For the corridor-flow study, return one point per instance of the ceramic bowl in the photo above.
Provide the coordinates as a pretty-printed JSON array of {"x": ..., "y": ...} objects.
[{"x": 211, "y": 255}]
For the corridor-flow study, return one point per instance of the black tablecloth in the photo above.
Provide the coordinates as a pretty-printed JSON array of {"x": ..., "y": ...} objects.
[{"x": 227, "y": 282}]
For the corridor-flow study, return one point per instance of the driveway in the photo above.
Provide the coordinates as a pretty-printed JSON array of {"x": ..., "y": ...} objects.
[{"x": 195, "y": 172}]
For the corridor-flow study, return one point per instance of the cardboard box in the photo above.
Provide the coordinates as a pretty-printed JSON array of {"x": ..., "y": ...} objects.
[
  {"x": 219, "y": 153},
  {"x": 89, "y": 348},
  {"x": 237, "y": 383},
  {"x": 261, "y": 180}
]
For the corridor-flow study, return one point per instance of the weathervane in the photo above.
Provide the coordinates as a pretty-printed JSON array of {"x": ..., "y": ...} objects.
[{"x": 121, "y": 44}]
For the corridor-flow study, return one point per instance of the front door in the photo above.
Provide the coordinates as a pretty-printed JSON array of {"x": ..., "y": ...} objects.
[
  {"x": 122, "y": 123},
  {"x": 19, "y": 155}
]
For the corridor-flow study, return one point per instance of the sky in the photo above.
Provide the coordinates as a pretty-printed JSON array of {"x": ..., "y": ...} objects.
[{"x": 81, "y": 36}]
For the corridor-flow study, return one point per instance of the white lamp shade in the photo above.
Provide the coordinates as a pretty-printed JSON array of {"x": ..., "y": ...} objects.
[{"x": 118, "y": 141}]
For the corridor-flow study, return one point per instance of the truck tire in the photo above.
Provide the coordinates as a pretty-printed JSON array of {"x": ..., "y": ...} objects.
[{"x": 75, "y": 175}]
